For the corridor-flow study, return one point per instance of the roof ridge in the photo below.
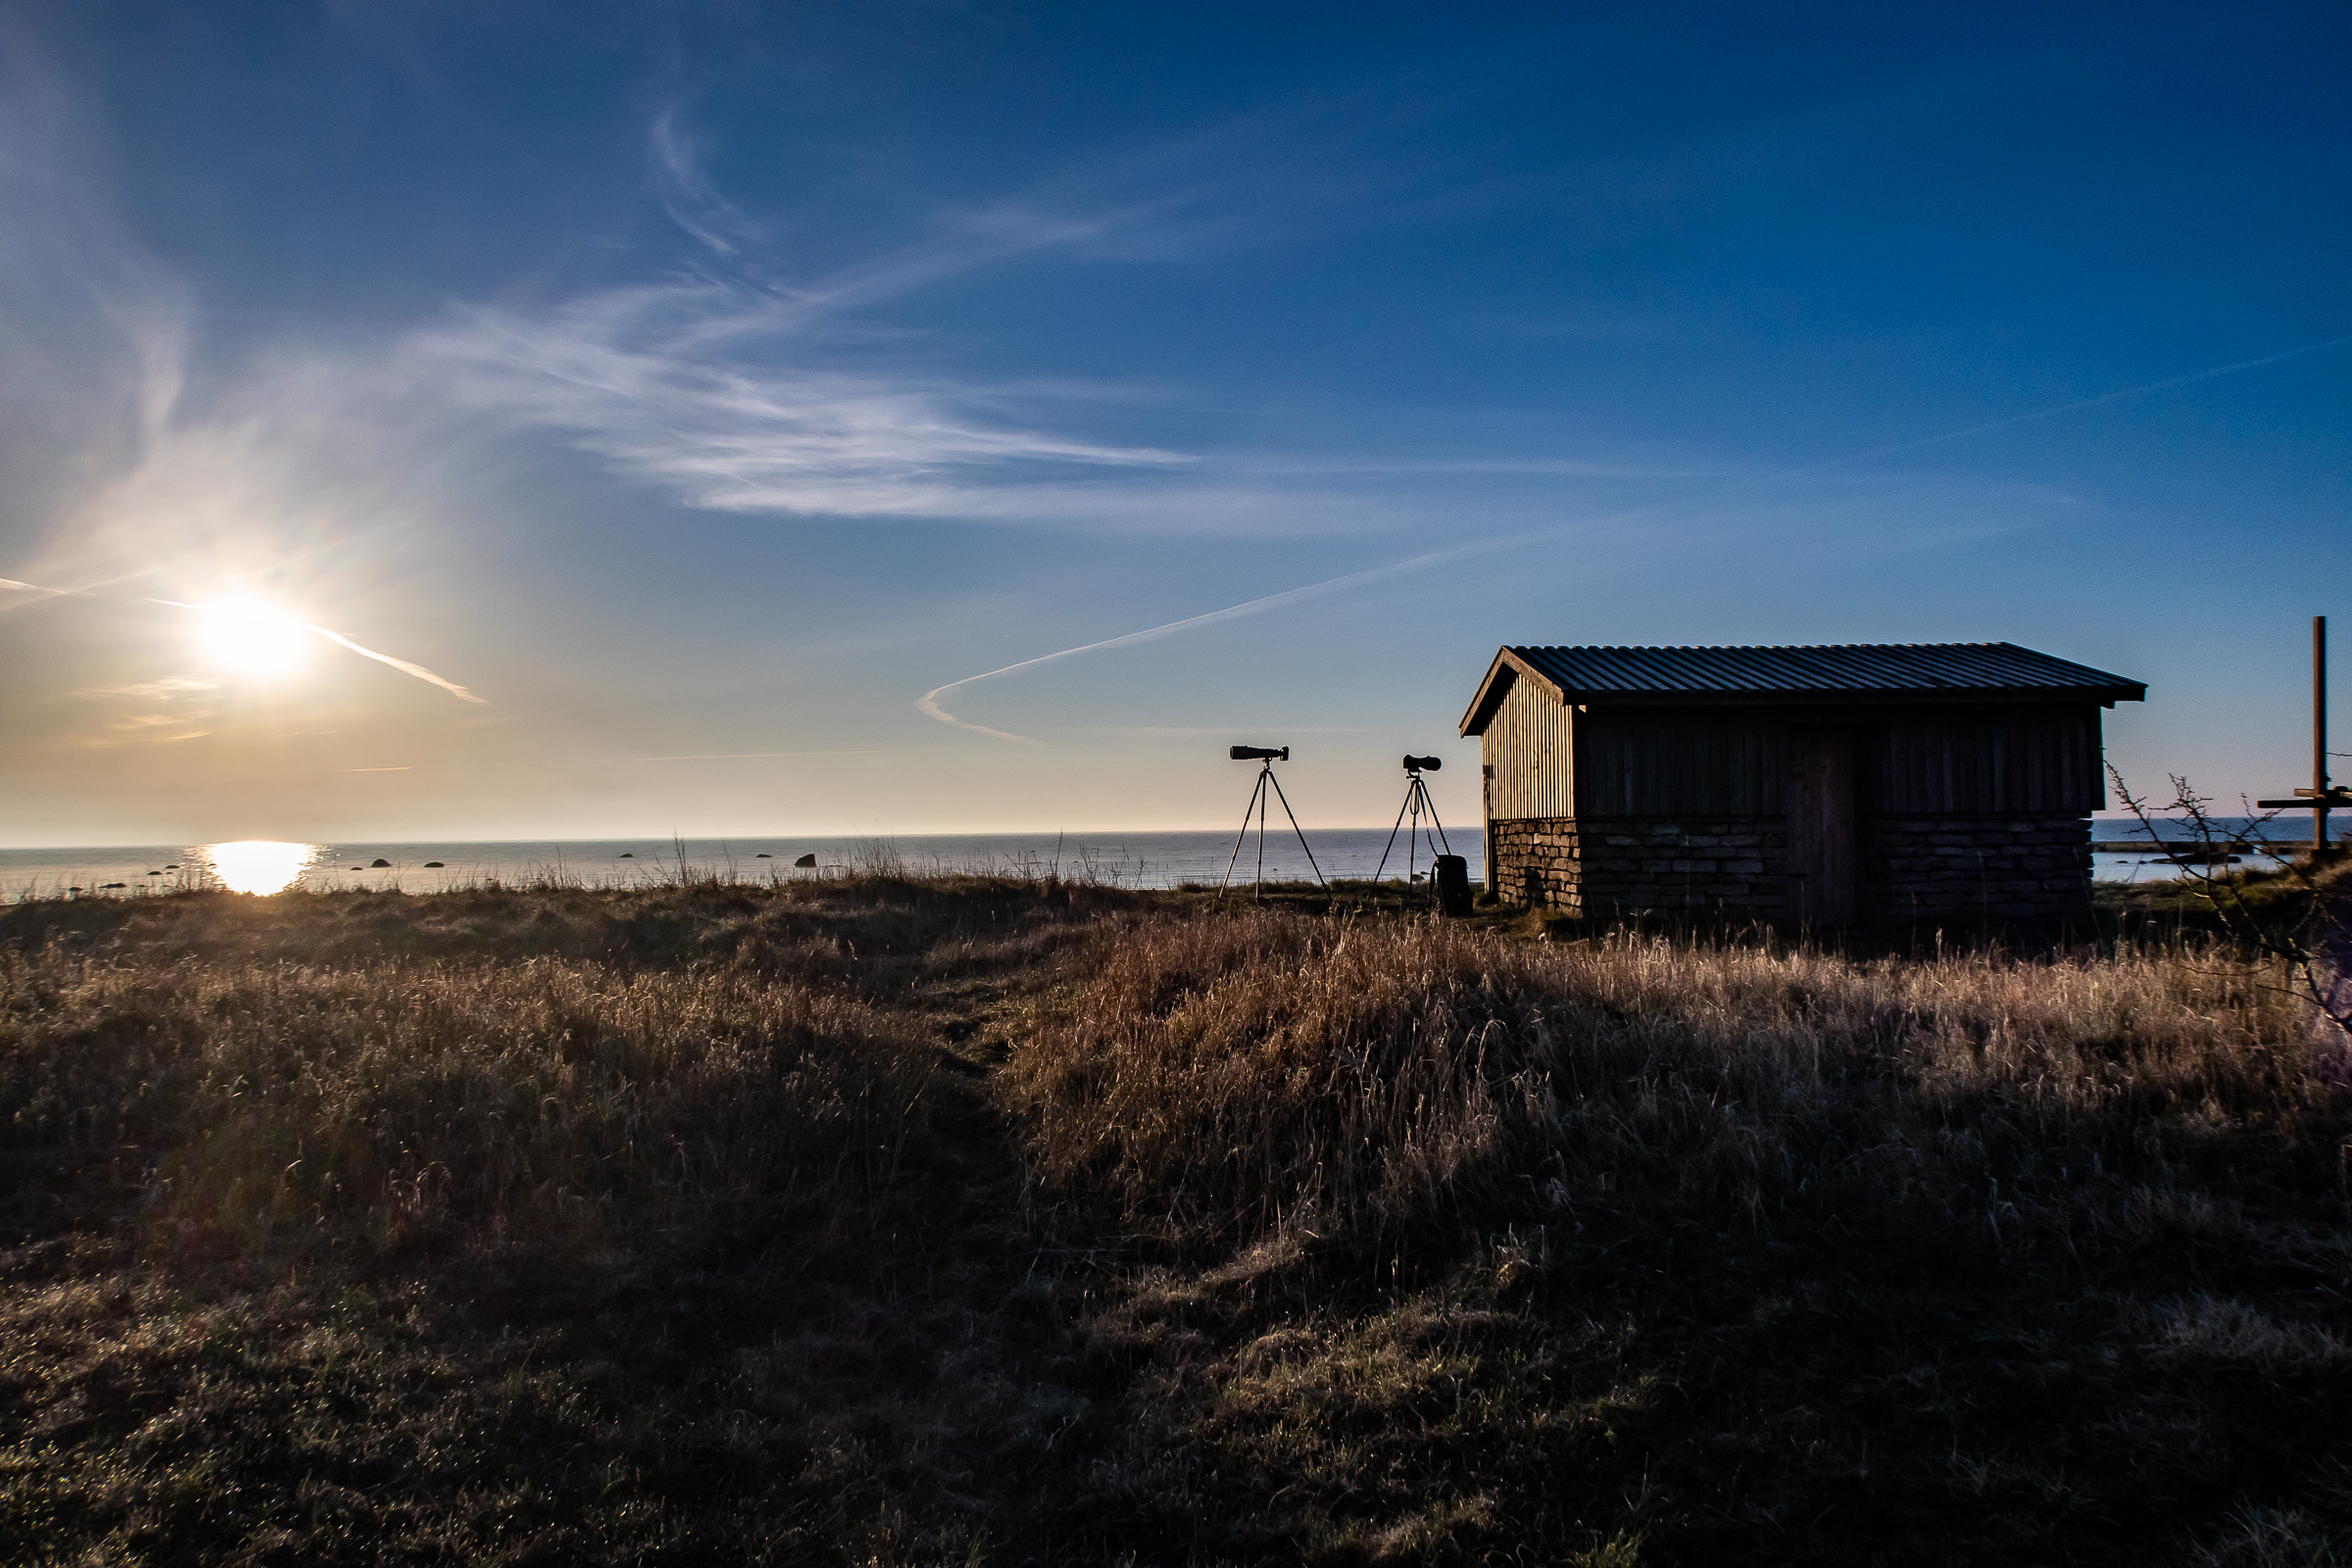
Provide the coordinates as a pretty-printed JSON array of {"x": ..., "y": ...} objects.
[
  {"x": 1782, "y": 672},
  {"x": 1716, "y": 647}
]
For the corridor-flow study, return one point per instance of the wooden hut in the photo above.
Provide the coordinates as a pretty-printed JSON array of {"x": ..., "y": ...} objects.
[{"x": 1825, "y": 784}]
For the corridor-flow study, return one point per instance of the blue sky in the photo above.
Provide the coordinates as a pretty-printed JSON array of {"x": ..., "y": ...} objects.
[{"x": 700, "y": 389}]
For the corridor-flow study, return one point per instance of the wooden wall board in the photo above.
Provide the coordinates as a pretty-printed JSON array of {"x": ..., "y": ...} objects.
[
  {"x": 1548, "y": 760},
  {"x": 1990, "y": 760},
  {"x": 1530, "y": 754}
]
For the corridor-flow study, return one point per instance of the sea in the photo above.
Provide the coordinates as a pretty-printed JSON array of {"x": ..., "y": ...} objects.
[
  {"x": 2258, "y": 838},
  {"x": 1126, "y": 859}
]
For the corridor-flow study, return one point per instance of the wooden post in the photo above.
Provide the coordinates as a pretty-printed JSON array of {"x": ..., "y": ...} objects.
[
  {"x": 2320, "y": 797},
  {"x": 2319, "y": 738}
]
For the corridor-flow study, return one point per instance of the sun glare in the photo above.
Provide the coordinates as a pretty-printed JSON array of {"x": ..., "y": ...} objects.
[
  {"x": 248, "y": 638},
  {"x": 257, "y": 865}
]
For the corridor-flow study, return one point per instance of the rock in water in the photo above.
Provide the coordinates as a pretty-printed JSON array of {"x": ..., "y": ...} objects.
[{"x": 807, "y": 863}]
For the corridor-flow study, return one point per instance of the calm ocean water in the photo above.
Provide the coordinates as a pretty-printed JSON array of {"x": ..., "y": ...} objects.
[
  {"x": 1132, "y": 859},
  {"x": 2287, "y": 828}
]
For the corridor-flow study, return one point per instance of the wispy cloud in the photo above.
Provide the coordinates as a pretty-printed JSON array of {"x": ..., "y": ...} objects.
[
  {"x": 1695, "y": 509},
  {"x": 736, "y": 387},
  {"x": 154, "y": 691},
  {"x": 693, "y": 203},
  {"x": 711, "y": 390},
  {"x": 737, "y": 398},
  {"x": 11, "y": 585},
  {"x": 277, "y": 479},
  {"x": 740, "y": 389},
  {"x": 292, "y": 454},
  {"x": 168, "y": 711},
  {"x": 92, "y": 332},
  {"x": 145, "y": 729}
]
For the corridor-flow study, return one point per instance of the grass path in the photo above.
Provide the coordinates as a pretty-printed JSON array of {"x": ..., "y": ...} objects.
[{"x": 988, "y": 1222}]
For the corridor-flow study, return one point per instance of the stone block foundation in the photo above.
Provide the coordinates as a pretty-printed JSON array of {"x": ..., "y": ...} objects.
[
  {"x": 1912, "y": 867},
  {"x": 1985, "y": 868}
]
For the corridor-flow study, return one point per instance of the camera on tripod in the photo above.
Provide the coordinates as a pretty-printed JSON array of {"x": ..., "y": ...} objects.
[
  {"x": 1265, "y": 757},
  {"x": 1448, "y": 872}
]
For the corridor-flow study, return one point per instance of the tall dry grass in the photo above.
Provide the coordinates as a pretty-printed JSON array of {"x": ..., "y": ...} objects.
[
  {"x": 1137, "y": 1227},
  {"x": 1380, "y": 1082},
  {"x": 563, "y": 1226},
  {"x": 546, "y": 1106}
]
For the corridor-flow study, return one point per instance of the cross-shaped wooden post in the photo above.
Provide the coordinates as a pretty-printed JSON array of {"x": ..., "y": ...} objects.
[{"x": 2321, "y": 797}]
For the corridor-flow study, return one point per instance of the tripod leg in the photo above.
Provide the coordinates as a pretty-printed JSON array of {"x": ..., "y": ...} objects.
[
  {"x": 1295, "y": 827},
  {"x": 1234, "y": 859},
  {"x": 1412, "y": 798},
  {"x": 1259, "y": 889},
  {"x": 1384, "y": 853},
  {"x": 1432, "y": 817}
]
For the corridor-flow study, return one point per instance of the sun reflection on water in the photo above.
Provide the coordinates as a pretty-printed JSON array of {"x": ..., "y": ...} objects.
[{"x": 257, "y": 865}]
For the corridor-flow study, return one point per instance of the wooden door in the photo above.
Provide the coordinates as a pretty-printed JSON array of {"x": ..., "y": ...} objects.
[{"x": 1824, "y": 827}]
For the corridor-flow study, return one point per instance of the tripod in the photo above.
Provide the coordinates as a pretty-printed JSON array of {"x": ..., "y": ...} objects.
[
  {"x": 1266, "y": 758},
  {"x": 1417, "y": 801}
]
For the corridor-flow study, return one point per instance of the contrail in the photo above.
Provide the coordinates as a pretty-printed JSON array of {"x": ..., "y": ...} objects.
[
  {"x": 2080, "y": 402},
  {"x": 930, "y": 701},
  {"x": 401, "y": 665},
  {"x": 748, "y": 757}
]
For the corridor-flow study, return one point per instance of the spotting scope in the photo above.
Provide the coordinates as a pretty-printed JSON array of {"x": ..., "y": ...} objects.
[
  {"x": 1256, "y": 754},
  {"x": 1414, "y": 764}
]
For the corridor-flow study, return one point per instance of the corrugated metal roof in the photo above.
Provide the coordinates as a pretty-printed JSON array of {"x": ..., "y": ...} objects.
[
  {"x": 1842, "y": 671},
  {"x": 1835, "y": 668}
]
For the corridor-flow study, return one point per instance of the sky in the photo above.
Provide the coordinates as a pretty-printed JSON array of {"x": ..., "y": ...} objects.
[{"x": 513, "y": 419}]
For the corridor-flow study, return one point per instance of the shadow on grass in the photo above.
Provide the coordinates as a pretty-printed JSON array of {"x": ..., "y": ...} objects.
[{"x": 982, "y": 1219}]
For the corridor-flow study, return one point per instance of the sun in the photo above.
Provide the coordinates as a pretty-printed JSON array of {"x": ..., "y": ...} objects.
[{"x": 248, "y": 638}]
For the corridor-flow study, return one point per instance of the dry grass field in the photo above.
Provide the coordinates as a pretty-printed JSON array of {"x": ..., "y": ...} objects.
[{"x": 960, "y": 1220}]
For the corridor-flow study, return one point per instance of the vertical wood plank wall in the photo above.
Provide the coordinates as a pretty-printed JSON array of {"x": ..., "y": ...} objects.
[
  {"x": 1530, "y": 753},
  {"x": 1692, "y": 762},
  {"x": 1546, "y": 760},
  {"x": 2022, "y": 758}
]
